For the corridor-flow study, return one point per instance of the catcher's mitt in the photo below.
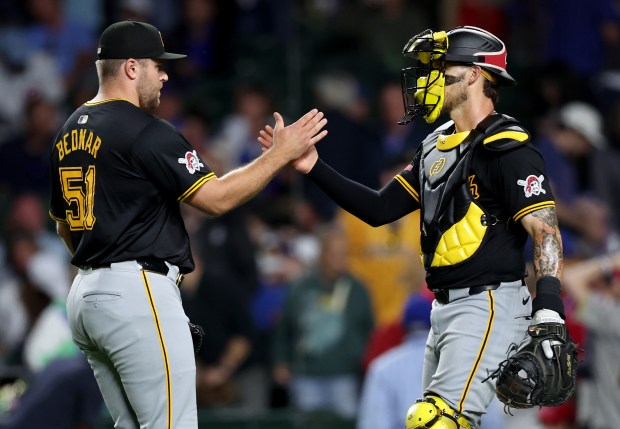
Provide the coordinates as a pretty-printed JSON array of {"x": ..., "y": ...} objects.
[
  {"x": 529, "y": 379},
  {"x": 197, "y": 334}
]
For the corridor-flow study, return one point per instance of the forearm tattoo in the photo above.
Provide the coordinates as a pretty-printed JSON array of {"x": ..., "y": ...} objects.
[{"x": 547, "y": 244}]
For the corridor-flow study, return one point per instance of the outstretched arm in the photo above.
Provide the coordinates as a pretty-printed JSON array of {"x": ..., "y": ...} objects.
[
  {"x": 374, "y": 207},
  {"x": 224, "y": 193},
  {"x": 371, "y": 206}
]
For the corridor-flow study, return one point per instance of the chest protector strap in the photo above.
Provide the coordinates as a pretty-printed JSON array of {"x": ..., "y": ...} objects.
[{"x": 453, "y": 224}]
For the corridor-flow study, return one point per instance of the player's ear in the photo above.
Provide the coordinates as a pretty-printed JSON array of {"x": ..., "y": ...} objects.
[
  {"x": 475, "y": 73},
  {"x": 131, "y": 68}
]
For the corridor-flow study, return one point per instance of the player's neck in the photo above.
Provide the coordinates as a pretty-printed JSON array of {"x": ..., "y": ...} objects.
[
  {"x": 109, "y": 92},
  {"x": 471, "y": 113}
]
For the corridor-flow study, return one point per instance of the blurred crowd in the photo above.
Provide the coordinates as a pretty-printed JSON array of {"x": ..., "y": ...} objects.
[{"x": 304, "y": 306}]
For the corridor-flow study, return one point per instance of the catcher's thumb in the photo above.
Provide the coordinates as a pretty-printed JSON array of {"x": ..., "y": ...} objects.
[{"x": 546, "y": 346}]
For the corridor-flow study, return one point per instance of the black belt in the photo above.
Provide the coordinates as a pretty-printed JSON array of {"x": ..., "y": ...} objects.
[
  {"x": 155, "y": 265},
  {"x": 443, "y": 295}
]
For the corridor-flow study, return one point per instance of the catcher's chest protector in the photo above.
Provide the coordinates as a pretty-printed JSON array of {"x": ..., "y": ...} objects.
[{"x": 453, "y": 223}]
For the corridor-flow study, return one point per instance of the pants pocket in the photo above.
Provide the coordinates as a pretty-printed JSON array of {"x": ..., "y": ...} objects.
[{"x": 101, "y": 296}]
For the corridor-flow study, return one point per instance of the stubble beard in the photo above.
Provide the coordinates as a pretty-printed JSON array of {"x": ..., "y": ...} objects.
[
  {"x": 456, "y": 100},
  {"x": 148, "y": 95}
]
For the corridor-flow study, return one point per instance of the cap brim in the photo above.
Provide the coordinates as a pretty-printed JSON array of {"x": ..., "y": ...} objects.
[{"x": 170, "y": 56}]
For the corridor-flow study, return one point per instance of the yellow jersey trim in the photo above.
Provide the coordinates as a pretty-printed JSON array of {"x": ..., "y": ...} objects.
[
  {"x": 400, "y": 179},
  {"x": 529, "y": 209},
  {"x": 197, "y": 184},
  {"x": 164, "y": 352},
  {"x": 483, "y": 346},
  {"x": 512, "y": 135},
  {"x": 94, "y": 103}
]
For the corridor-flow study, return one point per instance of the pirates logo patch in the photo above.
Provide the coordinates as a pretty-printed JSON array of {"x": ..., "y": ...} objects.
[
  {"x": 532, "y": 185},
  {"x": 191, "y": 161}
]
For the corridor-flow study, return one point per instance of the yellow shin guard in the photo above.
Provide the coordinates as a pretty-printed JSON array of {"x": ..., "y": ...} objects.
[{"x": 432, "y": 412}]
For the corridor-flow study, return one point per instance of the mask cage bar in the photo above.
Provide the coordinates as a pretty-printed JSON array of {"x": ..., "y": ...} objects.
[{"x": 429, "y": 55}]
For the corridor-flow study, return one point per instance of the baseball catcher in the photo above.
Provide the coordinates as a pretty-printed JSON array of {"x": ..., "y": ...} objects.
[{"x": 542, "y": 371}]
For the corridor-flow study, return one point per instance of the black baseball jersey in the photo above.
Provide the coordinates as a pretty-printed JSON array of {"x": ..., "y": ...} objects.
[
  {"x": 118, "y": 177},
  {"x": 507, "y": 184}
]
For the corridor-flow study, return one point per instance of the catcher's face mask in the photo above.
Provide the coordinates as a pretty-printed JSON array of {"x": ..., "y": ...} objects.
[{"x": 423, "y": 84}]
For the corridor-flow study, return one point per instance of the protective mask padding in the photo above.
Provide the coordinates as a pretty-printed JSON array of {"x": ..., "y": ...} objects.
[
  {"x": 423, "y": 84},
  {"x": 431, "y": 94}
]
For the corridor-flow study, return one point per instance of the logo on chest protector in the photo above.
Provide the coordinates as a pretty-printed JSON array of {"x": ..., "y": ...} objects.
[
  {"x": 532, "y": 185},
  {"x": 437, "y": 166},
  {"x": 191, "y": 161}
]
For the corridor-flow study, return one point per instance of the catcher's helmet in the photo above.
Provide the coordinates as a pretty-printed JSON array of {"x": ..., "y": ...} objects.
[
  {"x": 423, "y": 83},
  {"x": 474, "y": 45}
]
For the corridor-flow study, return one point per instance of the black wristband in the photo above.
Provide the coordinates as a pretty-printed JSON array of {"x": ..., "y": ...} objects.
[{"x": 548, "y": 290}]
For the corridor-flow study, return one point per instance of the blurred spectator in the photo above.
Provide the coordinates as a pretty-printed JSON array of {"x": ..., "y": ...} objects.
[
  {"x": 385, "y": 258},
  {"x": 398, "y": 141},
  {"x": 394, "y": 380},
  {"x": 594, "y": 285},
  {"x": 135, "y": 10},
  {"x": 351, "y": 143},
  {"x": 71, "y": 43},
  {"x": 41, "y": 280},
  {"x": 554, "y": 86},
  {"x": 388, "y": 24},
  {"x": 27, "y": 213},
  {"x": 571, "y": 28},
  {"x": 89, "y": 12},
  {"x": 322, "y": 333},
  {"x": 235, "y": 143},
  {"x": 49, "y": 337},
  {"x": 24, "y": 159},
  {"x": 25, "y": 75},
  {"x": 203, "y": 34},
  {"x": 20, "y": 245},
  {"x": 487, "y": 14},
  {"x": 578, "y": 164},
  {"x": 226, "y": 251},
  {"x": 551, "y": 32},
  {"x": 220, "y": 307},
  {"x": 64, "y": 395}
]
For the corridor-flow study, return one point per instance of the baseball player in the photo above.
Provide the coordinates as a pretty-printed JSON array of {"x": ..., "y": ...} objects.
[
  {"x": 118, "y": 176},
  {"x": 481, "y": 189}
]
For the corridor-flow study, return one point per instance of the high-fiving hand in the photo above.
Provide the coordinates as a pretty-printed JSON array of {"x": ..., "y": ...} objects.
[{"x": 297, "y": 139}]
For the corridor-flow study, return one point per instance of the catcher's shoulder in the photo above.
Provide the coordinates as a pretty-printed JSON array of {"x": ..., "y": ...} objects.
[{"x": 506, "y": 133}]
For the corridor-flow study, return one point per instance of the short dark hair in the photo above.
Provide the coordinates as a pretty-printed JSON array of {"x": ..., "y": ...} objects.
[
  {"x": 489, "y": 89},
  {"x": 108, "y": 68}
]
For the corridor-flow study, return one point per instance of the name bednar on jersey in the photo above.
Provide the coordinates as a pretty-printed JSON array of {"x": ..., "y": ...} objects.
[{"x": 80, "y": 139}]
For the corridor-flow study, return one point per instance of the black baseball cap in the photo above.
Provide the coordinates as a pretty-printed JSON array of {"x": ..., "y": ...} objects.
[{"x": 133, "y": 39}]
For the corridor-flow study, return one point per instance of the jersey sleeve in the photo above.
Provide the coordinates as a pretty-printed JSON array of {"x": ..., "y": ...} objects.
[
  {"x": 523, "y": 182},
  {"x": 164, "y": 156},
  {"x": 409, "y": 179}
]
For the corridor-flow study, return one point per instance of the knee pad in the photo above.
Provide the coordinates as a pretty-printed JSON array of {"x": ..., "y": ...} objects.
[{"x": 432, "y": 412}]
